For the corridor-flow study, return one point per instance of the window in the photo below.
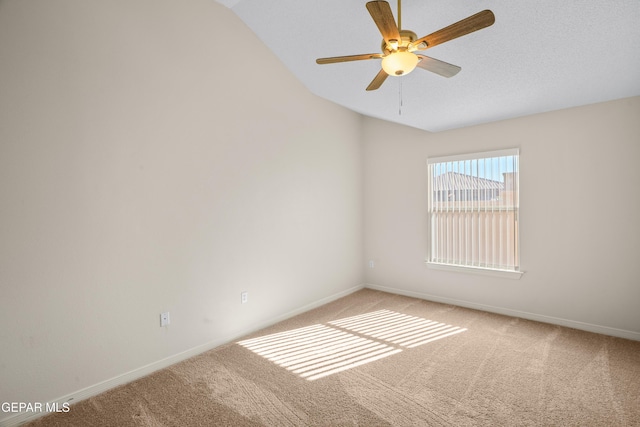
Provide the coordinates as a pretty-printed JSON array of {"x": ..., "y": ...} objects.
[{"x": 473, "y": 212}]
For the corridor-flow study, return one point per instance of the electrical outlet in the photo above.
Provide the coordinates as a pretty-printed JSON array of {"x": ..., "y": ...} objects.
[
  {"x": 244, "y": 297},
  {"x": 164, "y": 319}
]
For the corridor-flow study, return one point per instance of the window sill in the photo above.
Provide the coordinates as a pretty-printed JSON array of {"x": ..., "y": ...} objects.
[{"x": 507, "y": 274}]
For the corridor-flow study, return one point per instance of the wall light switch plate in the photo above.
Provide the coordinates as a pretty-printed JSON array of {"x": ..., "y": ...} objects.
[{"x": 164, "y": 319}]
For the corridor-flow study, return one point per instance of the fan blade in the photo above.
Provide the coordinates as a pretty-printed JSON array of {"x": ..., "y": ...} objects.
[
  {"x": 383, "y": 17},
  {"x": 335, "y": 59},
  {"x": 377, "y": 80},
  {"x": 468, "y": 25},
  {"x": 439, "y": 67}
]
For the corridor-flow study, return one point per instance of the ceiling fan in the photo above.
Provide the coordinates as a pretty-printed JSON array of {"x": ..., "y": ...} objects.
[{"x": 398, "y": 45}]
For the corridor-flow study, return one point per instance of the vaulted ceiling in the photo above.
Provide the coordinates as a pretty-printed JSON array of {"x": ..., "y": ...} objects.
[{"x": 538, "y": 56}]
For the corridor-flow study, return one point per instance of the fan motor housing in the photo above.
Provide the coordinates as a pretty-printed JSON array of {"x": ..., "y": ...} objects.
[{"x": 406, "y": 37}]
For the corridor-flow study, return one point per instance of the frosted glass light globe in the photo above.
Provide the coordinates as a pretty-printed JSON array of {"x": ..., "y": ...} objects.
[{"x": 399, "y": 63}]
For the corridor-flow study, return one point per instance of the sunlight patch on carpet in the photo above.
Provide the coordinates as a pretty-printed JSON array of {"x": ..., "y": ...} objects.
[
  {"x": 317, "y": 351},
  {"x": 320, "y": 350},
  {"x": 397, "y": 328}
]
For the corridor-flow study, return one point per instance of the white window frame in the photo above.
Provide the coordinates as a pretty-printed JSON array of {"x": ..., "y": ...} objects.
[{"x": 512, "y": 272}]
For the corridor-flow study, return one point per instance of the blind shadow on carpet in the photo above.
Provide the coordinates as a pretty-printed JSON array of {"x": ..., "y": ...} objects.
[{"x": 319, "y": 350}]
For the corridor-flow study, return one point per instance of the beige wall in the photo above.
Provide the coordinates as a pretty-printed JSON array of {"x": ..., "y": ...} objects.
[
  {"x": 578, "y": 167},
  {"x": 155, "y": 156}
]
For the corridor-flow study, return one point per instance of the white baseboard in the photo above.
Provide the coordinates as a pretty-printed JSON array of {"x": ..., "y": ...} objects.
[
  {"x": 297, "y": 311},
  {"x": 135, "y": 374},
  {"x": 605, "y": 330}
]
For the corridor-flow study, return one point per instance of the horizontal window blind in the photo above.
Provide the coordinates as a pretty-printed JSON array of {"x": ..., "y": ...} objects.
[{"x": 473, "y": 210}]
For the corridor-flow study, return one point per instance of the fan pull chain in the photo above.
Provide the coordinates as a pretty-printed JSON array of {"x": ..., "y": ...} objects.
[{"x": 400, "y": 98}]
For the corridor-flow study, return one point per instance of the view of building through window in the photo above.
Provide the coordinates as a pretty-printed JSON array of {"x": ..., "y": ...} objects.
[{"x": 473, "y": 210}]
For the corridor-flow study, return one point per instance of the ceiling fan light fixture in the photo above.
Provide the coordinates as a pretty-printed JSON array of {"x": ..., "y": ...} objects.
[{"x": 399, "y": 63}]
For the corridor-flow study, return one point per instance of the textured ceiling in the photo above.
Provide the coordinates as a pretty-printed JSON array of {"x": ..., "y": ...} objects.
[{"x": 538, "y": 56}]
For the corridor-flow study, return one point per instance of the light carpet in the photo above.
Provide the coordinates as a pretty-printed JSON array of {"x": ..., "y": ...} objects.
[{"x": 378, "y": 359}]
